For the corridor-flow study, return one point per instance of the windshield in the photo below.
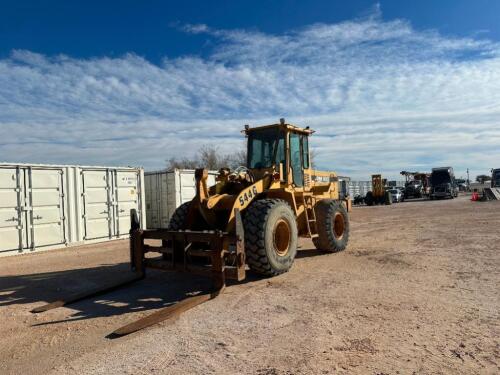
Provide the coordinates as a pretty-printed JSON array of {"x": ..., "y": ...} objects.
[
  {"x": 496, "y": 178},
  {"x": 440, "y": 177},
  {"x": 394, "y": 191},
  {"x": 261, "y": 148}
]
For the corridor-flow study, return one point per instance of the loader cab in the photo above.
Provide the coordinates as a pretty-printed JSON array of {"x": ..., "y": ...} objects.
[{"x": 282, "y": 148}]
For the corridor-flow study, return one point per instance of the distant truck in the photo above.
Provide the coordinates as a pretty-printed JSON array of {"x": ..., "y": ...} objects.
[
  {"x": 417, "y": 184},
  {"x": 443, "y": 184},
  {"x": 414, "y": 189},
  {"x": 495, "y": 178}
]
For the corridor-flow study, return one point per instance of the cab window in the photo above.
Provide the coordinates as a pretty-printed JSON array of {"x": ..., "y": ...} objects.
[
  {"x": 296, "y": 159},
  {"x": 263, "y": 145}
]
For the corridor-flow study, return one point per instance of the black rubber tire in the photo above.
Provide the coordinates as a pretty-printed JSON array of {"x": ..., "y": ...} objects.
[
  {"x": 387, "y": 198},
  {"x": 177, "y": 222},
  {"x": 327, "y": 239},
  {"x": 259, "y": 220},
  {"x": 179, "y": 217},
  {"x": 369, "y": 199}
]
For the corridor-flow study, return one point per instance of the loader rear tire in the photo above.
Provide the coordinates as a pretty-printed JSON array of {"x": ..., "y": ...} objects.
[
  {"x": 333, "y": 226},
  {"x": 270, "y": 236}
]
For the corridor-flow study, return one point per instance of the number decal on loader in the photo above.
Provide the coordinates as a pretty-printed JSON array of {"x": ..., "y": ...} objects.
[{"x": 248, "y": 195}]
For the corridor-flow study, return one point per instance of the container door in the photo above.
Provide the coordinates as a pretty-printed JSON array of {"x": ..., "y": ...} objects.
[
  {"x": 187, "y": 186},
  {"x": 162, "y": 199},
  {"x": 126, "y": 197},
  {"x": 153, "y": 203},
  {"x": 97, "y": 208},
  {"x": 46, "y": 212},
  {"x": 148, "y": 195},
  {"x": 12, "y": 216}
]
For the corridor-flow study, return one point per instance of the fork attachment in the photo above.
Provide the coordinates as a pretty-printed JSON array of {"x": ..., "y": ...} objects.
[
  {"x": 222, "y": 257},
  {"x": 214, "y": 253}
]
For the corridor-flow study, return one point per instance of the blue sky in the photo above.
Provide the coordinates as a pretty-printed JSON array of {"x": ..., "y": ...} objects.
[{"x": 388, "y": 86}]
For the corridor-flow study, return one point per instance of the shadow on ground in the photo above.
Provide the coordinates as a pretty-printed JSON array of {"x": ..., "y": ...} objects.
[{"x": 158, "y": 289}]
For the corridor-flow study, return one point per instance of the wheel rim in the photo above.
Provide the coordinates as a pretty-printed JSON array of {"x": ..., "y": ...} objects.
[
  {"x": 338, "y": 225},
  {"x": 282, "y": 235}
]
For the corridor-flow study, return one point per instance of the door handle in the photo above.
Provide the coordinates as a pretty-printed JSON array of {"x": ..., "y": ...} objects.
[{"x": 38, "y": 217}]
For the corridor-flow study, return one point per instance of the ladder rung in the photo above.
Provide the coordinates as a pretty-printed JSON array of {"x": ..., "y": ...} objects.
[
  {"x": 200, "y": 253},
  {"x": 157, "y": 249}
]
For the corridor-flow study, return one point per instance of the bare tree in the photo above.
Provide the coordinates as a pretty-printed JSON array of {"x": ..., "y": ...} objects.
[
  {"x": 184, "y": 163},
  {"x": 237, "y": 159},
  {"x": 312, "y": 157},
  {"x": 482, "y": 178},
  {"x": 209, "y": 157}
]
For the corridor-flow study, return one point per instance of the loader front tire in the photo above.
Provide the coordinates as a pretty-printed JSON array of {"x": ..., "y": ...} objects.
[
  {"x": 333, "y": 226},
  {"x": 178, "y": 219},
  {"x": 177, "y": 222},
  {"x": 270, "y": 236},
  {"x": 369, "y": 200}
]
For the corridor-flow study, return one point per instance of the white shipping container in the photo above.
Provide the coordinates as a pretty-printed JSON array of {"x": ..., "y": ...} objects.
[
  {"x": 52, "y": 206},
  {"x": 167, "y": 190},
  {"x": 363, "y": 187}
]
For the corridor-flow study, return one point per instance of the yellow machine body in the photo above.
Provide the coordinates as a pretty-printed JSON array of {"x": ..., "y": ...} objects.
[{"x": 288, "y": 176}]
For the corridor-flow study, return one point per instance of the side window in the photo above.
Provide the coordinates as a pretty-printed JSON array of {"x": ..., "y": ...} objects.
[
  {"x": 280, "y": 153},
  {"x": 305, "y": 151},
  {"x": 296, "y": 159}
]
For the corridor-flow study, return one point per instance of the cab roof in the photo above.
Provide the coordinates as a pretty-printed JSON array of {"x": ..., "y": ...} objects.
[{"x": 282, "y": 125}]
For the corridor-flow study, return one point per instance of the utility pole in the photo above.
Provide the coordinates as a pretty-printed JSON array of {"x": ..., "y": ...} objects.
[{"x": 468, "y": 180}]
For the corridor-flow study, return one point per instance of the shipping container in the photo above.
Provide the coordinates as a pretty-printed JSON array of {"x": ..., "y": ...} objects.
[
  {"x": 362, "y": 187},
  {"x": 51, "y": 206},
  {"x": 167, "y": 190},
  {"x": 356, "y": 188}
]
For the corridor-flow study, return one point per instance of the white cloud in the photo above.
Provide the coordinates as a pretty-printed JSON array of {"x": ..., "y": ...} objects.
[{"x": 381, "y": 95}]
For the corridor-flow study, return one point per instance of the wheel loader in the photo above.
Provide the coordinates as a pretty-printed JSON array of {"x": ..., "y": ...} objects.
[
  {"x": 253, "y": 216},
  {"x": 378, "y": 194}
]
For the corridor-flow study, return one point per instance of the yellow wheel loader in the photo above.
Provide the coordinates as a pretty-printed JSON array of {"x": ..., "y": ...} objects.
[
  {"x": 253, "y": 216},
  {"x": 379, "y": 193}
]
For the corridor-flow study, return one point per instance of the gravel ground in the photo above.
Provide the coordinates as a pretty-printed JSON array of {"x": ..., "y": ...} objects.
[{"x": 417, "y": 291}]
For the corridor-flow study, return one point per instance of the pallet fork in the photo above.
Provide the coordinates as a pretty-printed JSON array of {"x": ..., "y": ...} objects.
[{"x": 225, "y": 252}]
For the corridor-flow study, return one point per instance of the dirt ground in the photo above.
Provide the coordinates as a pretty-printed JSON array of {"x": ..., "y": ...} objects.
[{"x": 417, "y": 292}]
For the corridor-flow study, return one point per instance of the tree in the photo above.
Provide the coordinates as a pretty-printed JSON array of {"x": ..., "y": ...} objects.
[
  {"x": 211, "y": 158},
  {"x": 237, "y": 159},
  {"x": 482, "y": 178},
  {"x": 312, "y": 156},
  {"x": 184, "y": 163}
]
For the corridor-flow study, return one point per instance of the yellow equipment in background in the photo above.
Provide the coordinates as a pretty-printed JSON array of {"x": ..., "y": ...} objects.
[{"x": 378, "y": 194}]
